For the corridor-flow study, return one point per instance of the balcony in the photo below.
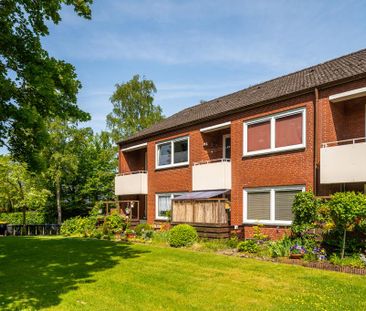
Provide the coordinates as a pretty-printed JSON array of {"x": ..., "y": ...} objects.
[
  {"x": 343, "y": 161},
  {"x": 131, "y": 183},
  {"x": 211, "y": 175}
]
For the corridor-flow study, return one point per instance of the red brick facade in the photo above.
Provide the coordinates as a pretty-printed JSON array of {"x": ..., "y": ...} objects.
[{"x": 335, "y": 121}]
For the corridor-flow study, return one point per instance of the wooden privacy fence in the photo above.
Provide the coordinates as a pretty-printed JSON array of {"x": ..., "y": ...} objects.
[
  {"x": 205, "y": 211},
  {"x": 46, "y": 229}
]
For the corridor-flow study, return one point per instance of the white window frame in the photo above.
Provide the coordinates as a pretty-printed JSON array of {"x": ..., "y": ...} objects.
[
  {"x": 272, "y": 191},
  {"x": 172, "y": 164},
  {"x": 172, "y": 194},
  {"x": 272, "y": 119}
]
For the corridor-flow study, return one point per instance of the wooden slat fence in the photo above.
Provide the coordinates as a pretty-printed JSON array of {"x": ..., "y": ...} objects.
[{"x": 200, "y": 211}]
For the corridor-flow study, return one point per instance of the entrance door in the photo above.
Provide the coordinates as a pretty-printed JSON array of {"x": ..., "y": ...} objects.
[{"x": 226, "y": 146}]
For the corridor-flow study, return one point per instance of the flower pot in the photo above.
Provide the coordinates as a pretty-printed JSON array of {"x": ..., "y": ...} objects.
[
  {"x": 296, "y": 256},
  {"x": 131, "y": 235}
]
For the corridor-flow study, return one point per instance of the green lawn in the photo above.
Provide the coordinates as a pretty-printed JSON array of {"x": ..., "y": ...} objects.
[{"x": 80, "y": 274}]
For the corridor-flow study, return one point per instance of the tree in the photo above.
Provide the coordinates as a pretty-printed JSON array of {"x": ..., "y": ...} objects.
[
  {"x": 19, "y": 189},
  {"x": 62, "y": 163},
  {"x": 80, "y": 169},
  {"x": 133, "y": 108},
  {"x": 346, "y": 209},
  {"x": 33, "y": 85}
]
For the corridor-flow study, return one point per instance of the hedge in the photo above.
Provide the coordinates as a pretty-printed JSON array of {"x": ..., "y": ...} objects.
[{"x": 32, "y": 218}]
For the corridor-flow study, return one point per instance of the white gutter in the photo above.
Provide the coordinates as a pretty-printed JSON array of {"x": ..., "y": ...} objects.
[
  {"x": 135, "y": 147},
  {"x": 348, "y": 95},
  {"x": 216, "y": 127}
]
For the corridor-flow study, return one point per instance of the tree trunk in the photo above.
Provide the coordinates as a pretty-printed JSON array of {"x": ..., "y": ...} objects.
[
  {"x": 24, "y": 208},
  {"x": 344, "y": 243},
  {"x": 58, "y": 200}
]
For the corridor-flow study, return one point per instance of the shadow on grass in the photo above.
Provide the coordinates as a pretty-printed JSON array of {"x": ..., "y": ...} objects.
[{"x": 34, "y": 272}]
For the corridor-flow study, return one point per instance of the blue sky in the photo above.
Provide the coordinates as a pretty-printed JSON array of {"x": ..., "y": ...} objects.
[{"x": 199, "y": 50}]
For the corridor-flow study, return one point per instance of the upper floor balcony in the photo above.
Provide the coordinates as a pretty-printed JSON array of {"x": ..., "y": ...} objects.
[
  {"x": 343, "y": 161},
  {"x": 211, "y": 175},
  {"x": 131, "y": 183}
]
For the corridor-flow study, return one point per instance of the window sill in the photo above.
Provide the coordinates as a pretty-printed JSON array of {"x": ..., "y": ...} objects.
[
  {"x": 162, "y": 219},
  {"x": 158, "y": 168},
  {"x": 273, "y": 151},
  {"x": 268, "y": 222}
]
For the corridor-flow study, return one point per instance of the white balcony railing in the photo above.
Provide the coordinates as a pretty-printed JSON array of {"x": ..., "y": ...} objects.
[
  {"x": 343, "y": 161},
  {"x": 131, "y": 183},
  {"x": 211, "y": 175}
]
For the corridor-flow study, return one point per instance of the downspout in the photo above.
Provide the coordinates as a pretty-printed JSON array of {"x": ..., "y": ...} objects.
[{"x": 316, "y": 152}]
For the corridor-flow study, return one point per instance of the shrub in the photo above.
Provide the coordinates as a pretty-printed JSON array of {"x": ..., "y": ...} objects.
[
  {"x": 346, "y": 209},
  {"x": 114, "y": 223},
  {"x": 182, "y": 235},
  {"x": 141, "y": 228},
  {"x": 257, "y": 233},
  {"x": 81, "y": 226},
  {"x": 352, "y": 261},
  {"x": 32, "y": 218},
  {"x": 305, "y": 212},
  {"x": 280, "y": 248},
  {"x": 232, "y": 242},
  {"x": 248, "y": 246}
]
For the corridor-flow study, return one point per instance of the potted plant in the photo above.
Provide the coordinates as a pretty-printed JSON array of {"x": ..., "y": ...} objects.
[
  {"x": 297, "y": 251},
  {"x": 130, "y": 234}
]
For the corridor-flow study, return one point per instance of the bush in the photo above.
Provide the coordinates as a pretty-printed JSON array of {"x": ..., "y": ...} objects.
[
  {"x": 232, "y": 242},
  {"x": 305, "y": 212},
  {"x": 347, "y": 209},
  {"x": 80, "y": 226},
  {"x": 114, "y": 223},
  {"x": 32, "y": 218},
  {"x": 353, "y": 261},
  {"x": 141, "y": 228},
  {"x": 248, "y": 246},
  {"x": 182, "y": 235},
  {"x": 280, "y": 248}
]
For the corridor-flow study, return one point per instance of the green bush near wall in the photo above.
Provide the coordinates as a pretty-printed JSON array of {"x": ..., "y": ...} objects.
[{"x": 32, "y": 218}]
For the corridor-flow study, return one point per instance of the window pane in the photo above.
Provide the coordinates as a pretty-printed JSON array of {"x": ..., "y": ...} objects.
[
  {"x": 181, "y": 151},
  {"x": 289, "y": 130},
  {"x": 259, "y": 136},
  {"x": 164, "y": 205},
  {"x": 227, "y": 147},
  {"x": 283, "y": 204},
  {"x": 259, "y": 206},
  {"x": 164, "y": 154}
]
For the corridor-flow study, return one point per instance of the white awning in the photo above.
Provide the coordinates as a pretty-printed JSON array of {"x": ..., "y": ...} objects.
[
  {"x": 135, "y": 147},
  {"x": 199, "y": 195},
  {"x": 348, "y": 95},
  {"x": 215, "y": 127}
]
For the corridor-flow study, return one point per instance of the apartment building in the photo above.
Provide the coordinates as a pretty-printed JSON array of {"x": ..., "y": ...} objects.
[{"x": 256, "y": 148}]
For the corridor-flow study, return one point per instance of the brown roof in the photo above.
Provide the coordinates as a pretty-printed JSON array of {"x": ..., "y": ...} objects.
[{"x": 342, "y": 68}]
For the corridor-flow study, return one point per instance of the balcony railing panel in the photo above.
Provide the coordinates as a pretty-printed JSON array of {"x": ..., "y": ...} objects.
[
  {"x": 343, "y": 161},
  {"x": 131, "y": 183},
  {"x": 211, "y": 175}
]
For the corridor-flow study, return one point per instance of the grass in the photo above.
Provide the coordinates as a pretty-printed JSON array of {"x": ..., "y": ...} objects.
[{"x": 83, "y": 274}]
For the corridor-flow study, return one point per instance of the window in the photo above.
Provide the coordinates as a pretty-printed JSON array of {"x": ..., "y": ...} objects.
[
  {"x": 226, "y": 146},
  {"x": 164, "y": 204},
  {"x": 172, "y": 153},
  {"x": 270, "y": 205},
  {"x": 284, "y": 131}
]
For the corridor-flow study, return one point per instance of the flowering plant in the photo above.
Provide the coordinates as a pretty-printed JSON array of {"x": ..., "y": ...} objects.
[
  {"x": 320, "y": 253},
  {"x": 297, "y": 249}
]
